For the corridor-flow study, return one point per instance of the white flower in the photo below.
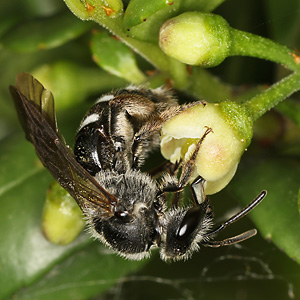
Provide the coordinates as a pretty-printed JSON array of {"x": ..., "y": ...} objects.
[{"x": 220, "y": 151}]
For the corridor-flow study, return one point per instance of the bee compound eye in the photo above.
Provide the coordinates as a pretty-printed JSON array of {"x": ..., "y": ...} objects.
[
  {"x": 123, "y": 215},
  {"x": 190, "y": 222}
]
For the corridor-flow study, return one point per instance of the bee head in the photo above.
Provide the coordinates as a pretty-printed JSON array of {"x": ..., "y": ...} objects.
[
  {"x": 134, "y": 226},
  {"x": 184, "y": 231}
]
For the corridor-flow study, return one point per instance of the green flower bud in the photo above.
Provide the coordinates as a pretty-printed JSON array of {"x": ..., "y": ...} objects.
[
  {"x": 62, "y": 219},
  {"x": 194, "y": 38},
  {"x": 221, "y": 149}
]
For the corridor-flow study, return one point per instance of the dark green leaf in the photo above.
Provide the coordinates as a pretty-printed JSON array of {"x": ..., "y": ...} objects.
[
  {"x": 148, "y": 29},
  {"x": 25, "y": 253},
  {"x": 85, "y": 274},
  {"x": 284, "y": 21},
  {"x": 26, "y": 256},
  {"x": 277, "y": 217},
  {"x": 115, "y": 57},
  {"x": 44, "y": 33},
  {"x": 200, "y": 5},
  {"x": 61, "y": 76},
  {"x": 138, "y": 11}
]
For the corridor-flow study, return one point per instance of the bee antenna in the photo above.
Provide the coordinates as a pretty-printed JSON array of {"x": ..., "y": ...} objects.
[
  {"x": 232, "y": 240},
  {"x": 236, "y": 217}
]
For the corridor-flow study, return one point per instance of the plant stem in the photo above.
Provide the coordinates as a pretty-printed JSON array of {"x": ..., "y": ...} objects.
[
  {"x": 247, "y": 44},
  {"x": 149, "y": 51},
  {"x": 204, "y": 85},
  {"x": 279, "y": 91}
]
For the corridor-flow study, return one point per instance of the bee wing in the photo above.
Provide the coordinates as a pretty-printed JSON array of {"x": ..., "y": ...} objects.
[{"x": 35, "y": 108}]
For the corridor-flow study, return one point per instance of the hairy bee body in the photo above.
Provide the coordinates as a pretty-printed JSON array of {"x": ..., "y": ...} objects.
[
  {"x": 106, "y": 136},
  {"x": 105, "y": 146},
  {"x": 125, "y": 208}
]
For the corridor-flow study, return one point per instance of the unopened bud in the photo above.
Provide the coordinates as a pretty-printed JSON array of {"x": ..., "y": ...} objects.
[
  {"x": 196, "y": 38},
  {"x": 62, "y": 219}
]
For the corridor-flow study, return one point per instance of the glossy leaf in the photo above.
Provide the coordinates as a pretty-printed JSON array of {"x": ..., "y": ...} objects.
[
  {"x": 115, "y": 57},
  {"x": 200, "y": 5},
  {"x": 26, "y": 256},
  {"x": 148, "y": 29},
  {"x": 61, "y": 76},
  {"x": 277, "y": 217},
  {"x": 287, "y": 15},
  {"x": 139, "y": 10},
  {"x": 85, "y": 274},
  {"x": 25, "y": 253},
  {"x": 44, "y": 33}
]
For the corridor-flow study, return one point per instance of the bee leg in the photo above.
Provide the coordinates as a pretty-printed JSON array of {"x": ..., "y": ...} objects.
[
  {"x": 188, "y": 167},
  {"x": 152, "y": 126},
  {"x": 187, "y": 171},
  {"x": 198, "y": 190},
  {"x": 165, "y": 167}
]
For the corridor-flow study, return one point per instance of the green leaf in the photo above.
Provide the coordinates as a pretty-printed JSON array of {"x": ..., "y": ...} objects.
[
  {"x": 138, "y": 11},
  {"x": 26, "y": 256},
  {"x": 105, "y": 10},
  {"x": 149, "y": 51},
  {"x": 148, "y": 30},
  {"x": 277, "y": 217},
  {"x": 25, "y": 253},
  {"x": 115, "y": 57},
  {"x": 143, "y": 20},
  {"x": 44, "y": 33},
  {"x": 7, "y": 22},
  {"x": 200, "y": 5},
  {"x": 60, "y": 77},
  {"x": 284, "y": 21},
  {"x": 85, "y": 274}
]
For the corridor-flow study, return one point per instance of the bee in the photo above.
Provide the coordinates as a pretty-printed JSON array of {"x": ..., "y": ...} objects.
[{"x": 125, "y": 208}]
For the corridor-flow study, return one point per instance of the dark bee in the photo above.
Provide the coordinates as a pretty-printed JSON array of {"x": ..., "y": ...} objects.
[
  {"x": 125, "y": 208},
  {"x": 111, "y": 144}
]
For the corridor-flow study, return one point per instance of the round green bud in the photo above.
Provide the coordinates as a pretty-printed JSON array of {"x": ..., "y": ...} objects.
[
  {"x": 62, "y": 219},
  {"x": 195, "y": 38}
]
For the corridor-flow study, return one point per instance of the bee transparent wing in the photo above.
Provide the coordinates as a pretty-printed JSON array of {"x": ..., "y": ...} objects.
[
  {"x": 35, "y": 107},
  {"x": 31, "y": 89}
]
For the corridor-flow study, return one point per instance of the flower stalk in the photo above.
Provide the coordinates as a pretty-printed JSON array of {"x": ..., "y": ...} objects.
[
  {"x": 261, "y": 103},
  {"x": 206, "y": 40}
]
